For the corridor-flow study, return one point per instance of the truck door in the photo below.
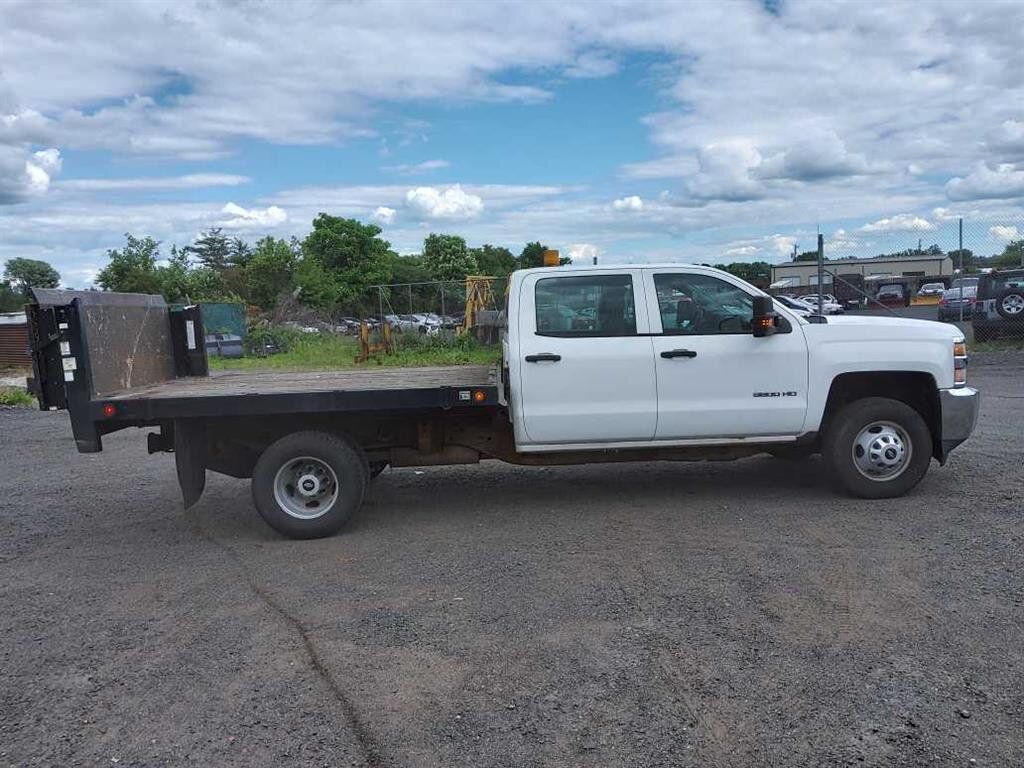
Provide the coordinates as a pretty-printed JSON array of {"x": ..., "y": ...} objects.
[
  {"x": 586, "y": 369},
  {"x": 715, "y": 379}
]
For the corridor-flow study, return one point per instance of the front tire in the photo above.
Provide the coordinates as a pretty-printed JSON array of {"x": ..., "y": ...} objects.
[
  {"x": 877, "y": 448},
  {"x": 308, "y": 484}
]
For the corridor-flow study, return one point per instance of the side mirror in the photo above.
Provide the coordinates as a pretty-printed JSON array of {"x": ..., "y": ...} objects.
[{"x": 763, "y": 322}]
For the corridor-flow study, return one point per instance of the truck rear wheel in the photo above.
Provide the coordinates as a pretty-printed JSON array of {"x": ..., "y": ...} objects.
[
  {"x": 877, "y": 448},
  {"x": 308, "y": 484}
]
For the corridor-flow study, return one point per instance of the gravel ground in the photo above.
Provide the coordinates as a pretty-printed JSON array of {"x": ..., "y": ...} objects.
[{"x": 622, "y": 615}]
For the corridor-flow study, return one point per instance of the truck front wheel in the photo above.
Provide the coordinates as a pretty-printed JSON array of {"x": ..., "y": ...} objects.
[
  {"x": 308, "y": 484},
  {"x": 877, "y": 448}
]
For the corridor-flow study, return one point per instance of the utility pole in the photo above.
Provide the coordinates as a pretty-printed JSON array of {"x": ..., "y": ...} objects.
[{"x": 821, "y": 273}]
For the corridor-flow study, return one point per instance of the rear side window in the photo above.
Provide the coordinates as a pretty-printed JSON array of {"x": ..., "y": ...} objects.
[{"x": 591, "y": 305}]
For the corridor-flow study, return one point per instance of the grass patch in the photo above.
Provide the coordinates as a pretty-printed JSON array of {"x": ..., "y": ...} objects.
[
  {"x": 13, "y": 397},
  {"x": 997, "y": 345},
  {"x": 328, "y": 351}
]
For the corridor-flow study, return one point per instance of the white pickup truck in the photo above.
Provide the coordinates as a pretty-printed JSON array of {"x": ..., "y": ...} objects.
[{"x": 633, "y": 363}]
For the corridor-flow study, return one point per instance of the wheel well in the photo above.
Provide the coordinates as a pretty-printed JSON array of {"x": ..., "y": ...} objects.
[{"x": 916, "y": 389}]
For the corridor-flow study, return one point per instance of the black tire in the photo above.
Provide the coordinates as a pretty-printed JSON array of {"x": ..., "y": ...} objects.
[
  {"x": 1016, "y": 303},
  {"x": 376, "y": 467},
  {"x": 839, "y": 446},
  {"x": 327, "y": 516}
]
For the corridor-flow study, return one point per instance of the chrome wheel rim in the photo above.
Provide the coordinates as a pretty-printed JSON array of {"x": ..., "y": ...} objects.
[
  {"x": 882, "y": 451},
  {"x": 1013, "y": 304},
  {"x": 305, "y": 487}
]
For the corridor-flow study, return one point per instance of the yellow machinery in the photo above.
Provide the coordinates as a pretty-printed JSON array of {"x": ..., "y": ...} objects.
[
  {"x": 368, "y": 349},
  {"x": 479, "y": 296}
]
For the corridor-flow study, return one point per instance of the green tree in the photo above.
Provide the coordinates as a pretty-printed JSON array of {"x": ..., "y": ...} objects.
[
  {"x": 754, "y": 272},
  {"x": 969, "y": 261},
  {"x": 341, "y": 259},
  {"x": 212, "y": 249},
  {"x": 446, "y": 257},
  {"x": 132, "y": 269},
  {"x": 494, "y": 260},
  {"x": 239, "y": 252},
  {"x": 1012, "y": 256},
  {"x": 10, "y": 299},
  {"x": 806, "y": 256},
  {"x": 533, "y": 256},
  {"x": 269, "y": 271},
  {"x": 25, "y": 274}
]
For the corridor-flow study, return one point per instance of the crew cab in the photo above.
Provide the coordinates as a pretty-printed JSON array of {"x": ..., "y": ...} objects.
[{"x": 599, "y": 364}]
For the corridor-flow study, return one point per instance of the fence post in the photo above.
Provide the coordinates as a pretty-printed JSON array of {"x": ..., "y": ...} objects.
[
  {"x": 961, "y": 260},
  {"x": 821, "y": 273}
]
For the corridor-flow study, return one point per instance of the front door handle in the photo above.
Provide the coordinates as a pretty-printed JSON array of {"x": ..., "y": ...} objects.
[
  {"x": 546, "y": 357},
  {"x": 670, "y": 353}
]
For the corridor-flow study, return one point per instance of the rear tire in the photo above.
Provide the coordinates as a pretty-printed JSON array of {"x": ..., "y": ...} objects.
[
  {"x": 877, "y": 448},
  {"x": 308, "y": 484}
]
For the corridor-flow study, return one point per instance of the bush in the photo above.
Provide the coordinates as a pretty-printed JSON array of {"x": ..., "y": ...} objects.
[{"x": 264, "y": 340}]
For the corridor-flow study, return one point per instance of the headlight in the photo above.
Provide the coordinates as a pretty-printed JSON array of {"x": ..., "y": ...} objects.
[{"x": 959, "y": 363}]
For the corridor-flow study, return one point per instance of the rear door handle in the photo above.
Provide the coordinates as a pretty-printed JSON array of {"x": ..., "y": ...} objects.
[
  {"x": 670, "y": 353},
  {"x": 546, "y": 357}
]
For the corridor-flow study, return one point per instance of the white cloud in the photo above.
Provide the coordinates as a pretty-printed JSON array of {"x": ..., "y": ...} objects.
[
  {"x": 583, "y": 253},
  {"x": 25, "y": 175},
  {"x": 1008, "y": 139},
  {"x": 384, "y": 215},
  {"x": 1006, "y": 234},
  {"x": 417, "y": 169},
  {"x": 188, "y": 181},
  {"x": 253, "y": 218},
  {"x": 783, "y": 244},
  {"x": 901, "y": 222},
  {"x": 592, "y": 64},
  {"x": 630, "y": 203},
  {"x": 726, "y": 170},
  {"x": 741, "y": 250},
  {"x": 453, "y": 203},
  {"x": 813, "y": 159},
  {"x": 984, "y": 183}
]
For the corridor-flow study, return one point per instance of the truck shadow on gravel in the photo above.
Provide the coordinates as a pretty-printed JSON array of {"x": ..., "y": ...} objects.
[{"x": 403, "y": 500}]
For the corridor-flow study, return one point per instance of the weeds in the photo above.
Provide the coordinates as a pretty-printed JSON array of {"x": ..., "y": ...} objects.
[
  {"x": 327, "y": 351},
  {"x": 13, "y": 397}
]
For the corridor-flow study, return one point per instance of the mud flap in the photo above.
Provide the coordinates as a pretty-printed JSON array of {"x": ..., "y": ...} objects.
[{"x": 189, "y": 457}]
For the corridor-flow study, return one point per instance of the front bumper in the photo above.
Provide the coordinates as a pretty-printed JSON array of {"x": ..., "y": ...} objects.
[{"x": 959, "y": 415}]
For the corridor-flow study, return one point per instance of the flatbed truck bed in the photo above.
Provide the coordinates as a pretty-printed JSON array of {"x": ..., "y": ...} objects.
[{"x": 241, "y": 393}]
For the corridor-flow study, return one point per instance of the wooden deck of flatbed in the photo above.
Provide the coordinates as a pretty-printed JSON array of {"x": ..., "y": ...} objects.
[
  {"x": 234, "y": 393},
  {"x": 296, "y": 382}
]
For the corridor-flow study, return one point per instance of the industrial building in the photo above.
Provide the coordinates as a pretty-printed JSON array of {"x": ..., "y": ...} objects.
[{"x": 796, "y": 274}]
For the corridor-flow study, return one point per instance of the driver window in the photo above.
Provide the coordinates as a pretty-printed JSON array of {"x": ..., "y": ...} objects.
[{"x": 699, "y": 305}]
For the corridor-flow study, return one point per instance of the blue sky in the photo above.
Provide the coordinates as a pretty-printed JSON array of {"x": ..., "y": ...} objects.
[{"x": 641, "y": 131}]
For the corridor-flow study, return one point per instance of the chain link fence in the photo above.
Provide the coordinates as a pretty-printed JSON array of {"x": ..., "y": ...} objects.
[{"x": 965, "y": 271}]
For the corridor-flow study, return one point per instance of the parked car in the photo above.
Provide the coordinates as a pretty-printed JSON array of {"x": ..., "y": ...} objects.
[
  {"x": 224, "y": 345},
  {"x": 957, "y": 303},
  {"x": 795, "y": 305},
  {"x": 999, "y": 305},
  {"x": 893, "y": 295},
  {"x": 829, "y": 305},
  {"x": 931, "y": 289}
]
